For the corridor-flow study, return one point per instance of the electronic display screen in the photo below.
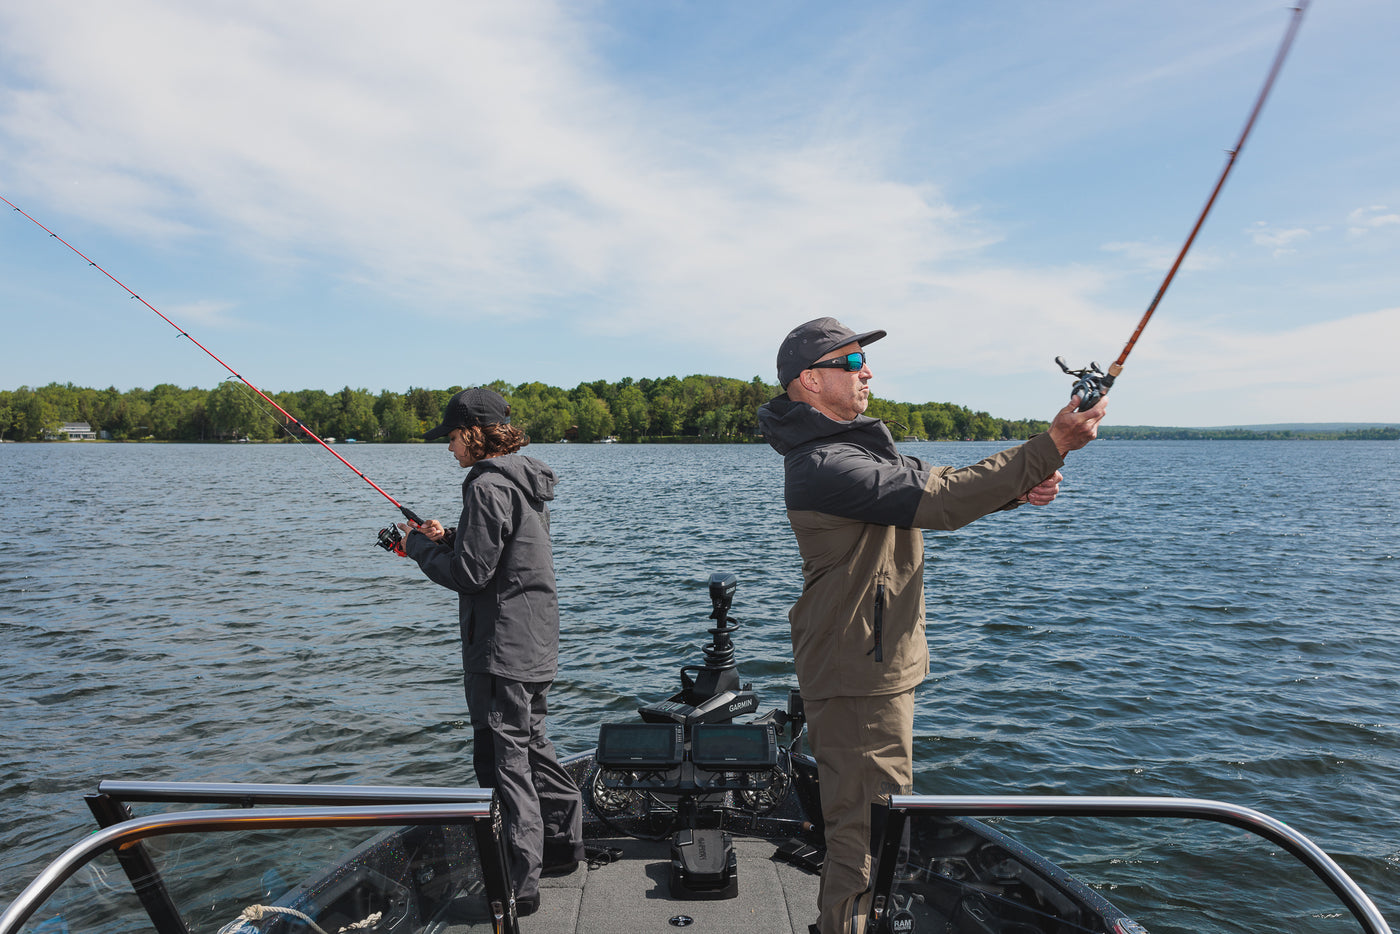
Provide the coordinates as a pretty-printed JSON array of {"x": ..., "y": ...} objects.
[
  {"x": 640, "y": 745},
  {"x": 726, "y": 747}
]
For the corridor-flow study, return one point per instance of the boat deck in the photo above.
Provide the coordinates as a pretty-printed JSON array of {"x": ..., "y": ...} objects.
[{"x": 633, "y": 894}]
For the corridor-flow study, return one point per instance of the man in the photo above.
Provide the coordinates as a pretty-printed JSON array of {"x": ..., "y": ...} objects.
[
  {"x": 499, "y": 560},
  {"x": 857, "y": 507}
]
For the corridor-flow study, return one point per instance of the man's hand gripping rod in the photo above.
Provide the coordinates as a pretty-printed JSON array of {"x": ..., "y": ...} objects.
[{"x": 1092, "y": 383}]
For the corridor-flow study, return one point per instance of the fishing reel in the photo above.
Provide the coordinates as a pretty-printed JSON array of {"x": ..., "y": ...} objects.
[
  {"x": 1090, "y": 384},
  {"x": 391, "y": 540}
]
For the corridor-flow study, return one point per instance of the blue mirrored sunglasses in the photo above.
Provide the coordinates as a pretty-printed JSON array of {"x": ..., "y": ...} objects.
[{"x": 851, "y": 363}]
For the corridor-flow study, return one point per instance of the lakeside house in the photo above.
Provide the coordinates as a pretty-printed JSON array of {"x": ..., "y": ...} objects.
[{"x": 77, "y": 431}]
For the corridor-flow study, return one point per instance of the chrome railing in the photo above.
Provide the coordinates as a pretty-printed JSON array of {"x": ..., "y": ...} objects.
[
  {"x": 400, "y": 806},
  {"x": 1256, "y": 822},
  {"x": 141, "y": 828},
  {"x": 251, "y": 794}
]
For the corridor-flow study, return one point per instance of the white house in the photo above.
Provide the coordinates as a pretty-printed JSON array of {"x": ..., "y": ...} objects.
[{"x": 78, "y": 431}]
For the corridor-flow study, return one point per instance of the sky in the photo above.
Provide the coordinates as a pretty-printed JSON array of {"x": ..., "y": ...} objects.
[{"x": 331, "y": 194}]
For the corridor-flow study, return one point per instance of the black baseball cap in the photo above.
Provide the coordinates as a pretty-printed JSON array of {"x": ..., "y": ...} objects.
[
  {"x": 472, "y": 408},
  {"x": 808, "y": 343}
]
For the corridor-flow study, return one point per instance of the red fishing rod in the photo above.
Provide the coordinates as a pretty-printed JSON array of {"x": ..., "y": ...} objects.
[
  {"x": 1091, "y": 383},
  {"x": 388, "y": 538}
]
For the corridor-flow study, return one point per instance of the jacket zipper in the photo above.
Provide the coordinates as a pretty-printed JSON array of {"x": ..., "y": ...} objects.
[{"x": 879, "y": 624}]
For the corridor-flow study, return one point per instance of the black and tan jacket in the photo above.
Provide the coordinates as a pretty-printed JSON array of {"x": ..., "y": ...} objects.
[{"x": 857, "y": 507}]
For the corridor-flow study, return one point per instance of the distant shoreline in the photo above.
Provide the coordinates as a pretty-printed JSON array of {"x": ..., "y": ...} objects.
[{"x": 1128, "y": 435}]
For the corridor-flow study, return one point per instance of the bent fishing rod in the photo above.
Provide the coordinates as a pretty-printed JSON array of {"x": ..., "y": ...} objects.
[
  {"x": 389, "y": 538},
  {"x": 1092, "y": 383}
]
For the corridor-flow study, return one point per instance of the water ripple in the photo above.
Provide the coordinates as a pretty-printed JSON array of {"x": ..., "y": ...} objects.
[{"x": 1198, "y": 619}]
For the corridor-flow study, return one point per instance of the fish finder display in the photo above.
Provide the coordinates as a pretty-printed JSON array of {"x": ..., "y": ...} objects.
[
  {"x": 641, "y": 745},
  {"x": 733, "y": 747}
]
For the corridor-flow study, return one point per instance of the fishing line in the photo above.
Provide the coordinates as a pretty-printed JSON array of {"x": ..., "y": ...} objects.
[
  {"x": 301, "y": 443},
  {"x": 291, "y": 419},
  {"x": 1092, "y": 383}
]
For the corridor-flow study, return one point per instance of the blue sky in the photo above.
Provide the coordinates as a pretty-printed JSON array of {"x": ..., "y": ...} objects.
[{"x": 334, "y": 193}]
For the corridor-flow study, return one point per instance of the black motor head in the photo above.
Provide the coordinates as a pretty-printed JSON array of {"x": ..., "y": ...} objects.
[{"x": 722, "y": 587}]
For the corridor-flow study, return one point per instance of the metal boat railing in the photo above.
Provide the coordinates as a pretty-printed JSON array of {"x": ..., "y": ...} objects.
[
  {"x": 1256, "y": 822},
  {"x": 127, "y": 833},
  {"x": 366, "y": 806},
  {"x": 253, "y": 794}
]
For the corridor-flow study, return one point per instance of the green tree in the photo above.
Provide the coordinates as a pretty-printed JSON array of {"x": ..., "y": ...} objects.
[
  {"x": 171, "y": 412},
  {"x": 427, "y": 405},
  {"x": 354, "y": 416},
  {"x": 591, "y": 414},
  {"x": 542, "y": 412},
  {"x": 982, "y": 427},
  {"x": 7, "y": 415},
  {"x": 630, "y": 413},
  {"x": 314, "y": 408},
  {"x": 234, "y": 412},
  {"x": 938, "y": 424},
  {"x": 396, "y": 421},
  {"x": 121, "y": 415}
]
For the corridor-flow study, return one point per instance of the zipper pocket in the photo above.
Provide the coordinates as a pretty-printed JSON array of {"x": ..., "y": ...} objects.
[{"x": 878, "y": 650}]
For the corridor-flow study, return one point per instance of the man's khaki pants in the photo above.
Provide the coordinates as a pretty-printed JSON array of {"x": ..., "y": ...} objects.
[{"x": 864, "y": 747}]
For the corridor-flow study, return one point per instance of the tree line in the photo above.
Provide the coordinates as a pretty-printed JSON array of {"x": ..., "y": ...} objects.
[
  {"x": 1149, "y": 433},
  {"x": 670, "y": 409}
]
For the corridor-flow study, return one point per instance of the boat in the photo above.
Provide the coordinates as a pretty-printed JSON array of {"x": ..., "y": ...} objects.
[{"x": 702, "y": 810}]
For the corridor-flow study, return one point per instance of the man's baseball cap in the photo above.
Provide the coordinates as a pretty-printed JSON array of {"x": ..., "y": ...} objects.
[
  {"x": 471, "y": 408},
  {"x": 808, "y": 343}
]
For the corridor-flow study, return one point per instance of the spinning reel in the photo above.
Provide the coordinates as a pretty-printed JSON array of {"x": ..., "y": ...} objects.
[{"x": 391, "y": 539}]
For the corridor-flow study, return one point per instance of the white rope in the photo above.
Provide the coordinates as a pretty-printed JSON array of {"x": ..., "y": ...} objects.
[
  {"x": 262, "y": 912},
  {"x": 369, "y": 922}
]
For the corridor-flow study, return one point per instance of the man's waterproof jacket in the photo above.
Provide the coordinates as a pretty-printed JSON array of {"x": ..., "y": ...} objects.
[
  {"x": 857, "y": 507},
  {"x": 500, "y": 563}
]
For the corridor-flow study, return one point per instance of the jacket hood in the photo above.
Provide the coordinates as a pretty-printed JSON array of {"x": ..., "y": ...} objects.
[
  {"x": 787, "y": 425},
  {"x": 534, "y": 478}
]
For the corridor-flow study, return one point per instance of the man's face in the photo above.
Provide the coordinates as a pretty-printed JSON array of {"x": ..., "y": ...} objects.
[{"x": 843, "y": 394}]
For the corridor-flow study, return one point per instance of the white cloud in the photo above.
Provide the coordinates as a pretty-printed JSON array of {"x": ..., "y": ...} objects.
[
  {"x": 1364, "y": 220},
  {"x": 1280, "y": 240},
  {"x": 467, "y": 154},
  {"x": 477, "y": 162},
  {"x": 1332, "y": 371}
]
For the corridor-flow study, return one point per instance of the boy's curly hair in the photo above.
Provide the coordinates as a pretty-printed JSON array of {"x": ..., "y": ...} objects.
[{"x": 492, "y": 440}]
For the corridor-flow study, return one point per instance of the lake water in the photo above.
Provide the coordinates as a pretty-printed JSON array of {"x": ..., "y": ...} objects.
[{"x": 1198, "y": 619}]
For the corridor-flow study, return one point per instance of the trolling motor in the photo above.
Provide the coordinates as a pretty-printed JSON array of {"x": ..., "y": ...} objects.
[
  {"x": 710, "y": 693},
  {"x": 688, "y": 749},
  {"x": 1090, "y": 384}
]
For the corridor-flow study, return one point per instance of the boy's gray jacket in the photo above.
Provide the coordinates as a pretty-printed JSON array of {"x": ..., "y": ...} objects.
[
  {"x": 857, "y": 507},
  {"x": 502, "y": 567}
]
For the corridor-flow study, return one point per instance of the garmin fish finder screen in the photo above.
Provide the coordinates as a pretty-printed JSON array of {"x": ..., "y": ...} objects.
[
  {"x": 641, "y": 745},
  {"x": 734, "y": 747}
]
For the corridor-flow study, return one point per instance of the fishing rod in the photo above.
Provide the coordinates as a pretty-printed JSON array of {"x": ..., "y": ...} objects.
[
  {"x": 389, "y": 538},
  {"x": 1092, "y": 383}
]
